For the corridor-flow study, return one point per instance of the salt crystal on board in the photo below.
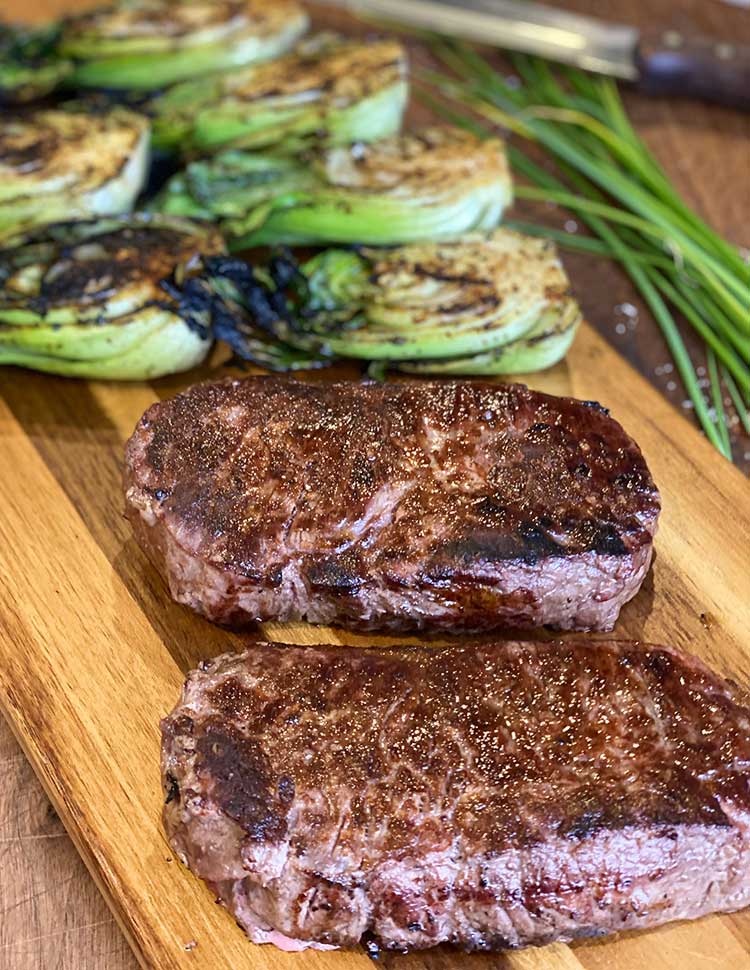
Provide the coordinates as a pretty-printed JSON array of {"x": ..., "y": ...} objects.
[{"x": 627, "y": 309}]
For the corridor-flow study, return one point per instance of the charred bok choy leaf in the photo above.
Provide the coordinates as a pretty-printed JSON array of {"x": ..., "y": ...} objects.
[
  {"x": 30, "y": 66},
  {"x": 433, "y": 183},
  {"x": 145, "y": 45},
  {"x": 110, "y": 299},
  {"x": 329, "y": 90},
  {"x": 479, "y": 304},
  {"x": 65, "y": 165}
]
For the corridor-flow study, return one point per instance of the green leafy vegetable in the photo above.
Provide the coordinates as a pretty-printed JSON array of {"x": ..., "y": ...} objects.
[
  {"x": 30, "y": 66},
  {"x": 64, "y": 165},
  {"x": 609, "y": 179},
  {"x": 116, "y": 298},
  {"x": 544, "y": 345},
  {"x": 329, "y": 91},
  {"x": 435, "y": 183},
  {"x": 485, "y": 304},
  {"x": 145, "y": 45}
]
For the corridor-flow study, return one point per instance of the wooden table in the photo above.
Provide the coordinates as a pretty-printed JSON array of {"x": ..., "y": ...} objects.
[{"x": 51, "y": 915}]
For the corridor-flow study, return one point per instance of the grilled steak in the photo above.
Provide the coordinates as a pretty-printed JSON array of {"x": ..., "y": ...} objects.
[
  {"x": 462, "y": 506},
  {"x": 489, "y": 796}
]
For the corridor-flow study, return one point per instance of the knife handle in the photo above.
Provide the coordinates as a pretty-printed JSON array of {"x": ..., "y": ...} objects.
[{"x": 671, "y": 63}]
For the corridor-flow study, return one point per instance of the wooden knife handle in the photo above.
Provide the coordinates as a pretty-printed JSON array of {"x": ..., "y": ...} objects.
[{"x": 671, "y": 63}]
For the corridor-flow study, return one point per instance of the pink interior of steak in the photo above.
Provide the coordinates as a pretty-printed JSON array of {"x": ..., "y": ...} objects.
[{"x": 258, "y": 930}]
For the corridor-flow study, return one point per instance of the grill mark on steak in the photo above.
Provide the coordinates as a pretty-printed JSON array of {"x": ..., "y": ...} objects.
[
  {"x": 497, "y": 794},
  {"x": 417, "y": 505},
  {"x": 240, "y": 779}
]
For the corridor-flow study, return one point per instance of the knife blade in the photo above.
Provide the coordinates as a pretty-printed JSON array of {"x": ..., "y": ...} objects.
[{"x": 663, "y": 63}]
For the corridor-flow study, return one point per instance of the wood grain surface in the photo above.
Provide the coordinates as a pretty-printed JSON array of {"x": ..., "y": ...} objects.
[{"x": 92, "y": 650}]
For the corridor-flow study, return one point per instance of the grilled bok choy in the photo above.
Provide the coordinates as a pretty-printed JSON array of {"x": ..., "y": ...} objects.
[
  {"x": 65, "y": 165},
  {"x": 106, "y": 299},
  {"x": 479, "y": 304},
  {"x": 30, "y": 66},
  {"x": 329, "y": 90},
  {"x": 434, "y": 183},
  {"x": 144, "y": 45}
]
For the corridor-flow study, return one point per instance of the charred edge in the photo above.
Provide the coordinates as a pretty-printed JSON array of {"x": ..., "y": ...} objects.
[
  {"x": 244, "y": 309},
  {"x": 607, "y": 541},
  {"x": 241, "y": 781},
  {"x": 595, "y": 406},
  {"x": 173, "y": 789},
  {"x": 537, "y": 544},
  {"x": 241, "y": 288},
  {"x": 338, "y": 575},
  {"x": 195, "y": 302}
]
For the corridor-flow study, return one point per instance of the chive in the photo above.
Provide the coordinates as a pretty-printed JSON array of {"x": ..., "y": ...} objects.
[
  {"x": 586, "y": 244},
  {"x": 628, "y": 186},
  {"x": 609, "y": 178},
  {"x": 722, "y": 350},
  {"x": 739, "y": 404},
  {"x": 598, "y": 248},
  {"x": 716, "y": 395}
]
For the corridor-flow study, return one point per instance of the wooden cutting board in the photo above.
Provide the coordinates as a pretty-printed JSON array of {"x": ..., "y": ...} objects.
[{"x": 93, "y": 651}]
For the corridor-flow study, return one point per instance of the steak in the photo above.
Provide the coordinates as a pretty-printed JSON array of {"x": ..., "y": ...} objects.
[
  {"x": 489, "y": 796},
  {"x": 442, "y": 506}
]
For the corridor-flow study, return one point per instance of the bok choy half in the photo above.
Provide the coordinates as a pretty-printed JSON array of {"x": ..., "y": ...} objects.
[
  {"x": 478, "y": 304},
  {"x": 329, "y": 91},
  {"x": 115, "y": 298},
  {"x": 65, "y": 165},
  {"x": 144, "y": 45},
  {"x": 430, "y": 184},
  {"x": 30, "y": 66}
]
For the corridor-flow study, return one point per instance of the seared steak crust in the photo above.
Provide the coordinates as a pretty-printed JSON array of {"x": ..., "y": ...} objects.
[
  {"x": 489, "y": 796},
  {"x": 392, "y": 506}
]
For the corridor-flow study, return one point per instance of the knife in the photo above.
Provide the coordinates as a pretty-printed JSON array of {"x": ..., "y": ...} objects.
[{"x": 661, "y": 63}]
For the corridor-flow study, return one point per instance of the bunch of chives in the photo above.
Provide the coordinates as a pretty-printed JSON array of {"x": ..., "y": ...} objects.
[{"x": 608, "y": 177}]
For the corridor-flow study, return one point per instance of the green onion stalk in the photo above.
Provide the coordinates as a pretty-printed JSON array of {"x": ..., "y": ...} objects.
[
  {"x": 495, "y": 303},
  {"x": 329, "y": 90},
  {"x": 430, "y": 184},
  {"x": 610, "y": 180}
]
